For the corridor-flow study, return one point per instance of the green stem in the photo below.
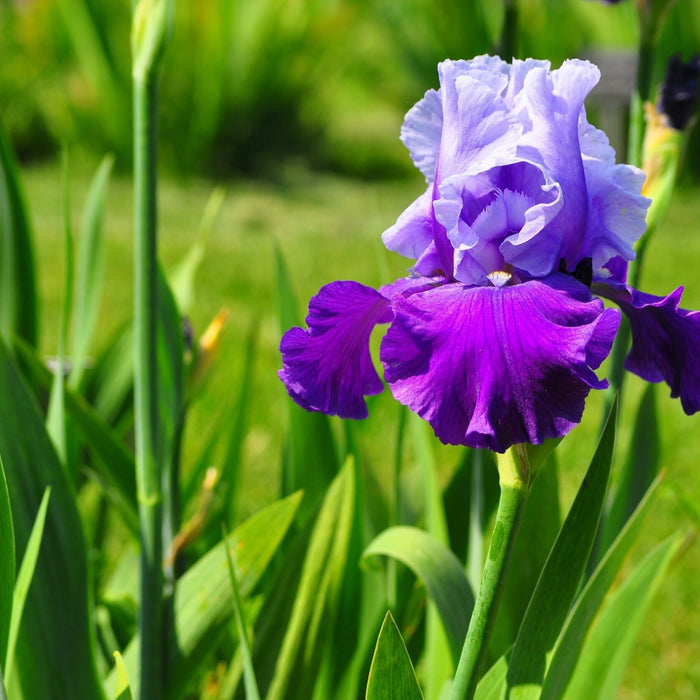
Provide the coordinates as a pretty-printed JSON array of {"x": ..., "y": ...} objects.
[
  {"x": 509, "y": 32},
  {"x": 148, "y": 476},
  {"x": 649, "y": 30},
  {"x": 515, "y": 487},
  {"x": 645, "y": 70}
]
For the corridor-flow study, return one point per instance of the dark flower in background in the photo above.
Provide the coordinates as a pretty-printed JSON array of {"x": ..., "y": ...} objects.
[
  {"x": 679, "y": 93},
  {"x": 495, "y": 336}
]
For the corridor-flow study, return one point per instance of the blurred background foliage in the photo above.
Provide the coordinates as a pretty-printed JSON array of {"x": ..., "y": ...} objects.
[{"x": 249, "y": 82}]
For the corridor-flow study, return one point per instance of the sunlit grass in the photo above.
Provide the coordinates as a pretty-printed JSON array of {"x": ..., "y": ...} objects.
[{"x": 328, "y": 228}]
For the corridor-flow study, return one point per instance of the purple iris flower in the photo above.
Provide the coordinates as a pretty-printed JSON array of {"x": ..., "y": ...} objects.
[{"x": 495, "y": 336}]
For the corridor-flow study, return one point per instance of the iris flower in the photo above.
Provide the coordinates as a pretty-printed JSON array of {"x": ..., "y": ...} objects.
[{"x": 495, "y": 336}]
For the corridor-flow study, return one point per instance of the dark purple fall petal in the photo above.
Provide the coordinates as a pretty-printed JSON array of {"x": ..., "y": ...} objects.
[
  {"x": 328, "y": 367},
  {"x": 491, "y": 367},
  {"x": 665, "y": 340}
]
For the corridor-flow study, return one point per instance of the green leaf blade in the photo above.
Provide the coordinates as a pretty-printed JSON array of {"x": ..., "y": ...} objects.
[
  {"x": 122, "y": 690},
  {"x": 24, "y": 579},
  {"x": 55, "y": 630},
  {"x": 18, "y": 287},
  {"x": 561, "y": 575},
  {"x": 610, "y": 643},
  {"x": 589, "y": 603},
  {"x": 440, "y": 571},
  {"x": 89, "y": 274},
  {"x": 251, "y": 683},
  {"x": 640, "y": 469},
  {"x": 391, "y": 675},
  {"x": 202, "y": 605},
  {"x": 323, "y": 561},
  {"x": 7, "y": 565}
]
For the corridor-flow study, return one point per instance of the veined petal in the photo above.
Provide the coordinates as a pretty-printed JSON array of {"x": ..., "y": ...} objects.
[
  {"x": 328, "y": 367},
  {"x": 665, "y": 340},
  {"x": 490, "y": 367}
]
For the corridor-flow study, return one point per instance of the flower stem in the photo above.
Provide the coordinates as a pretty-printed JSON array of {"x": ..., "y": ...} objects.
[
  {"x": 515, "y": 487},
  {"x": 509, "y": 32},
  {"x": 148, "y": 477}
]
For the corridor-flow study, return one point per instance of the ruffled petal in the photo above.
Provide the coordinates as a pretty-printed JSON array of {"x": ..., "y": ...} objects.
[
  {"x": 616, "y": 211},
  {"x": 479, "y": 130},
  {"x": 665, "y": 340},
  {"x": 328, "y": 367},
  {"x": 490, "y": 367},
  {"x": 421, "y": 133},
  {"x": 553, "y": 101}
]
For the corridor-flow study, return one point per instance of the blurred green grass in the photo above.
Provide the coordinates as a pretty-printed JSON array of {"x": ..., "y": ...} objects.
[
  {"x": 329, "y": 228},
  {"x": 248, "y": 82}
]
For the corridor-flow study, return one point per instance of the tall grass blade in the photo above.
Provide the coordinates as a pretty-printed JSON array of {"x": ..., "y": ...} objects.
[
  {"x": 391, "y": 676},
  {"x": 561, "y": 576},
  {"x": 182, "y": 278},
  {"x": 234, "y": 447},
  {"x": 202, "y": 607},
  {"x": 171, "y": 410},
  {"x": 640, "y": 469},
  {"x": 56, "y": 415},
  {"x": 609, "y": 645},
  {"x": 56, "y": 631},
  {"x": 325, "y": 631},
  {"x": 114, "y": 462},
  {"x": 89, "y": 273},
  {"x": 439, "y": 666},
  {"x": 7, "y": 565},
  {"x": 492, "y": 685},
  {"x": 18, "y": 287},
  {"x": 24, "y": 580},
  {"x": 440, "y": 572},
  {"x": 251, "y": 684},
  {"x": 111, "y": 381},
  {"x": 122, "y": 690},
  {"x": 539, "y": 527},
  {"x": 97, "y": 63},
  {"x": 588, "y": 604},
  {"x": 324, "y": 555}
]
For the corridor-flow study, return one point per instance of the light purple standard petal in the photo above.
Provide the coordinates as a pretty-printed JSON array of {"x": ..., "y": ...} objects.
[
  {"x": 665, "y": 340},
  {"x": 479, "y": 130},
  {"x": 421, "y": 133},
  {"x": 616, "y": 211},
  {"x": 490, "y": 367},
  {"x": 412, "y": 234},
  {"x": 553, "y": 101},
  {"x": 328, "y": 368}
]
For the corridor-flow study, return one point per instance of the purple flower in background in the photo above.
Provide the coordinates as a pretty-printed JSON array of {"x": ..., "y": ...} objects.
[{"x": 495, "y": 337}]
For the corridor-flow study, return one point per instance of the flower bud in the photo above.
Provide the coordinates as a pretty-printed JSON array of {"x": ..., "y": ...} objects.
[{"x": 207, "y": 350}]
